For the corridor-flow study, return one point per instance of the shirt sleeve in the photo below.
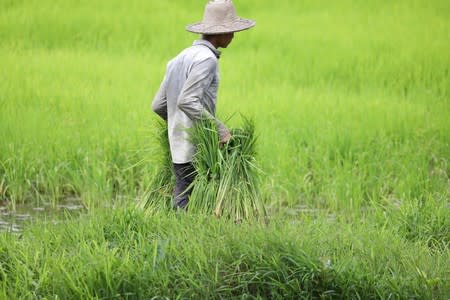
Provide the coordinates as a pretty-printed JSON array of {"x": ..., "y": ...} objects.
[
  {"x": 198, "y": 81},
  {"x": 159, "y": 104}
]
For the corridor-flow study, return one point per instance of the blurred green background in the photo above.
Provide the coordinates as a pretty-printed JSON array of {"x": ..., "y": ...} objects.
[{"x": 350, "y": 98}]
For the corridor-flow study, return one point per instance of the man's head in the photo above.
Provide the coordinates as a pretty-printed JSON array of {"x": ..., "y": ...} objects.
[{"x": 219, "y": 40}]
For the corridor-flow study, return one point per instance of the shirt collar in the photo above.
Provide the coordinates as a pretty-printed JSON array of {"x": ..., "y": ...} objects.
[{"x": 209, "y": 45}]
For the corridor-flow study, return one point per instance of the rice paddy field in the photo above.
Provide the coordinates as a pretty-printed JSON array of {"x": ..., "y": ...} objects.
[{"x": 351, "y": 107}]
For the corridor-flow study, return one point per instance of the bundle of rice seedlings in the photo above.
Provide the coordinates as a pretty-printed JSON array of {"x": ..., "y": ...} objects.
[
  {"x": 228, "y": 179},
  {"x": 160, "y": 190}
]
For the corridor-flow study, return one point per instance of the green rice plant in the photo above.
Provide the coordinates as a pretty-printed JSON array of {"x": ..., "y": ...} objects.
[{"x": 228, "y": 178}]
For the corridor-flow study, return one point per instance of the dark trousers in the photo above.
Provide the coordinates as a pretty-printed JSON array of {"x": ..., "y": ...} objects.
[{"x": 184, "y": 176}]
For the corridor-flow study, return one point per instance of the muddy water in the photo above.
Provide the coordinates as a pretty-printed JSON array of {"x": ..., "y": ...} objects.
[{"x": 14, "y": 221}]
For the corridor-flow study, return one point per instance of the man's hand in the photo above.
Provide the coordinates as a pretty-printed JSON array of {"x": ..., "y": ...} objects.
[{"x": 225, "y": 137}]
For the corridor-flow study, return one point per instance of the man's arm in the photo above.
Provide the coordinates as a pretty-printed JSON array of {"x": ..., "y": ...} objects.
[
  {"x": 159, "y": 104},
  {"x": 189, "y": 102}
]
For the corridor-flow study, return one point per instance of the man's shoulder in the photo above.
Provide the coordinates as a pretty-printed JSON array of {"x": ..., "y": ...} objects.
[
  {"x": 193, "y": 55},
  {"x": 199, "y": 53}
]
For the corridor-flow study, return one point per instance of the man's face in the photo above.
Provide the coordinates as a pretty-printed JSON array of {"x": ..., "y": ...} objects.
[{"x": 225, "y": 39}]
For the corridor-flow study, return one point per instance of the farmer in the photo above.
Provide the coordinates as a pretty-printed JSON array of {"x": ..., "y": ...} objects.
[{"x": 188, "y": 91}]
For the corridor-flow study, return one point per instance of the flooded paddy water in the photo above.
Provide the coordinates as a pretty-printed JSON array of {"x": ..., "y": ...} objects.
[{"x": 14, "y": 221}]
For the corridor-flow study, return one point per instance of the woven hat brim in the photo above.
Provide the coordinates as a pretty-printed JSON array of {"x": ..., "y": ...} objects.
[{"x": 238, "y": 25}]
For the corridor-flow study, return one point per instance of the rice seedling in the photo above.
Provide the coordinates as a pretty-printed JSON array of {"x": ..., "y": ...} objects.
[{"x": 159, "y": 191}]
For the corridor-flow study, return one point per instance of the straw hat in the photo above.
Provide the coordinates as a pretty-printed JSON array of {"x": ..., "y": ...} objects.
[{"x": 220, "y": 17}]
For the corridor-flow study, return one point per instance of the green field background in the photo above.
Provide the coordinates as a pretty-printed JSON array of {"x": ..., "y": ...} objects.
[{"x": 351, "y": 101}]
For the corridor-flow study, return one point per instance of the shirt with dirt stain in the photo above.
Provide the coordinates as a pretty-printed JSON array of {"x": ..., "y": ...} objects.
[{"x": 188, "y": 93}]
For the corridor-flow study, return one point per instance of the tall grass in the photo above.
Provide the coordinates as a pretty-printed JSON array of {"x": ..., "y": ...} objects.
[{"x": 129, "y": 254}]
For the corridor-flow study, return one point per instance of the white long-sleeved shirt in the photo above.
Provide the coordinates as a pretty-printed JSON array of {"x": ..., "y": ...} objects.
[{"x": 188, "y": 93}]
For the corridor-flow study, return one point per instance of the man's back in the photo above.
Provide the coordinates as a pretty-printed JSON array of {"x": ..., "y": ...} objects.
[{"x": 189, "y": 88}]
